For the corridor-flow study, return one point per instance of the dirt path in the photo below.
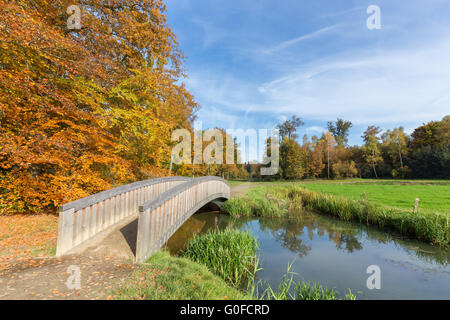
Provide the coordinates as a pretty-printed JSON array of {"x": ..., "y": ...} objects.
[
  {"x": 98, "y": 275},
  {"x": 103, "y": 266},
  {"x": 242, "y": 189}
]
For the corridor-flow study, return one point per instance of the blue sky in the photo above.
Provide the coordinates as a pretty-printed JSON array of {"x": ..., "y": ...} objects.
[{"x": 252, "y": 63}]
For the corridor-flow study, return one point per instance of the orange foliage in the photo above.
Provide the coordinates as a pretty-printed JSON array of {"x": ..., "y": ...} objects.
[{"x": 82, "y": 111}]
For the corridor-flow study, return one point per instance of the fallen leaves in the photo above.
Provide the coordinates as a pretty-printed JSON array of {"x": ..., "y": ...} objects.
[{"x": 25, "y": 237}]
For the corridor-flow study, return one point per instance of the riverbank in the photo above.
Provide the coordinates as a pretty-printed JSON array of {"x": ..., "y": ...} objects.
[
  {"x": 274, "y": 200},
  {"x": 165, "y": 277},
  {"x": 221, "y": 264}
]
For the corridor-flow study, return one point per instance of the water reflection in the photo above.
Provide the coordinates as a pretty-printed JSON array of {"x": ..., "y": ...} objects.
[
  {"x": 335, "y": 253},
  {"x": 291, "y": 231}
]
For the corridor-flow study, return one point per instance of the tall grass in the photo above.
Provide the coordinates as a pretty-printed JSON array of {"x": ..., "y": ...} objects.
[
  {"x": 238, "y": 207},
  {"x": 231, "y": 254},
  {"x": 261, "y": 204}
]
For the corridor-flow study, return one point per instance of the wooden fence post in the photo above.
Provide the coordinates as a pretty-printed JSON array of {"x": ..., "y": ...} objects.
[{"x": 416, "y": 205}]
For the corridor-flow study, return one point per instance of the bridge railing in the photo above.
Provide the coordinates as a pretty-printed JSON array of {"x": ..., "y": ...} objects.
[
  {"x": 161, "y": 217},
  {"x": 82, "y": 219}
]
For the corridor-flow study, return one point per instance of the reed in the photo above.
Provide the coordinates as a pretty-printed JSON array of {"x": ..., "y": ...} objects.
[
  {"x": 230, "y": 254},
  {"x": 261, "y": 204},
  {"x": 290, "y": 290},
  {"x": 238, "y": 207}
]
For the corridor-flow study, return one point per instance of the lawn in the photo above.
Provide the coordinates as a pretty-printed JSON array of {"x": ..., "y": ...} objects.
[{"x": 435, "y": 197}]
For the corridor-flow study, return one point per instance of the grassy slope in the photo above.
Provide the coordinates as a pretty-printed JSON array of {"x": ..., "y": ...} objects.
[{"x": 164, "y": 277}]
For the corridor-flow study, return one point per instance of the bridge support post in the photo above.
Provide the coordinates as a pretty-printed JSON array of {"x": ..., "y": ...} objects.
[{"x": 65, "y": 232}]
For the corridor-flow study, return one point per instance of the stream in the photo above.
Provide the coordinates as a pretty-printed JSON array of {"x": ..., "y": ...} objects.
[{"x": 335, "y": 253}]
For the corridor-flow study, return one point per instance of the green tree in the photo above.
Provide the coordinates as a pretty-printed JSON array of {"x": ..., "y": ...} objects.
[
  {"x": 289, "y": 127},
  {"x": 430, "y": 150},
  {"x": 340, "y": 130},
  {"x": 396, "y": 143},
  {"x": 371, "y": 152},
  {"x": 371, "y": 131}
]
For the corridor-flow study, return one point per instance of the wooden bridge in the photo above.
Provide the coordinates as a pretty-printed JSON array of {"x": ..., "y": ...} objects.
[{"x": 162, "y": 205}]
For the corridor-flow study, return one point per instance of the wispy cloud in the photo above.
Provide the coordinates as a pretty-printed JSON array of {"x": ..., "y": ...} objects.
[{"x": 311, "y": 35}]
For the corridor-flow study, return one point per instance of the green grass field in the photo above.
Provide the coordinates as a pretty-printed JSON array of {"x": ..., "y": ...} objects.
[{"x": 432, "y": 197}]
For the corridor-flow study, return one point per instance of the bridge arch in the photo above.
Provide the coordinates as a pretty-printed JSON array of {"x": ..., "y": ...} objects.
[
  {"x": 81, "y": 220},
  {"x": 160, "y": 217}
]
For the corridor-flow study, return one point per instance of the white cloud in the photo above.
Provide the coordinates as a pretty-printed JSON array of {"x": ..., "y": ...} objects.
[
  {"x": 315, "y": 130},
  {"x": 390, "y": 86}
]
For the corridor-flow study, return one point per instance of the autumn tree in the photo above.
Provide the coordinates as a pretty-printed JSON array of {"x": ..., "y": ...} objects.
[
  {"x": 84, "y": 110},
  {"x": 327, "y": 145},
  {"x": 292, "y": 161},
  {"x": 344, "y": 169},
  {"x": 371, "y": 131},
  {"x": 316, "y": 162}
]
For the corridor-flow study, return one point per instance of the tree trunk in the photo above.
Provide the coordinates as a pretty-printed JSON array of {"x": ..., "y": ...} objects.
[
  {"x": 401, "y": 159},
  {"x": 328, "y": 161},
  {"x": 374, "y": 170}
]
